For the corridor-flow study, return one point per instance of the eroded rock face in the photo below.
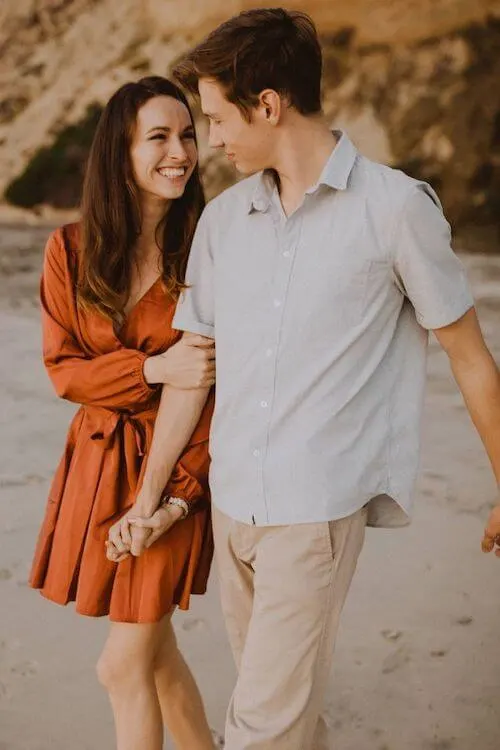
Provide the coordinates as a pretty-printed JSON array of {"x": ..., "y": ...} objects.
[
  {"x": 415, "y": 83},
  {"x": 432, "y": 108}
]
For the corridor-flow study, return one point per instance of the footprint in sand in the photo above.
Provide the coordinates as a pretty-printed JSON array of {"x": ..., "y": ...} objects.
[
  {"x": 4, "y": 694},
  {"x": 444, "y": 744},
  {"x": 391, "y": 635},
  {"x": 465, "y": 620},
  {"x": 396, "y": 660},
  {"x": 194, "y": 623},
  {"x": 19, "y": 480},
  {"x": 25, "y": 669},
  {"x": 218, "y": 740}
]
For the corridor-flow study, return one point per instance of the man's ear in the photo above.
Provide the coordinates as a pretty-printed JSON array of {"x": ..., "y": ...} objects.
[{"x": 270, "y": 105}]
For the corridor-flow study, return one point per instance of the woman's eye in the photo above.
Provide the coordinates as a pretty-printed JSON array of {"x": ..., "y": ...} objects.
[
  {"x": 188, "y": 136},
  {"x": 156, "y": 137}
]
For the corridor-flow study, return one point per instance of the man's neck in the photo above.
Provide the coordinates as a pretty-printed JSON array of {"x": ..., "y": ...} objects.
[{"x": 303, "y": 154}]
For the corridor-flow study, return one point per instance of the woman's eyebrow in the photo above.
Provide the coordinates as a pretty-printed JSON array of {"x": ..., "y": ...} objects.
[{"x": 165, "y": 129}]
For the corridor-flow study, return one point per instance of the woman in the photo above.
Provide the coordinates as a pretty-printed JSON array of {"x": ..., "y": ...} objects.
[{"x": 108, "y": 294}]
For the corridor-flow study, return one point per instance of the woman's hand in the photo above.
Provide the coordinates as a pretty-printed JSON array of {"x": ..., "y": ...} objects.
[
  {"x": 123, "y": 540},
  {"x": 134, "y": 533},
  {"x": 188, "y": 364}
]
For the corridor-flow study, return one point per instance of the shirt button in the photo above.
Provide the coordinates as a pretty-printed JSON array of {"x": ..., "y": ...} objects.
[
  {"x": 256, "y": 453},
  {"x": 269, "y": 352},
  {"x": 286, "y": 254},
  {"x": 277, "y": 303},
  {"x": 264, "y": 404}
]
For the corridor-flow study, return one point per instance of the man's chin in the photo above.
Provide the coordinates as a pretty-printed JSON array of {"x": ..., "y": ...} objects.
[{"x": 244, "y": 169}]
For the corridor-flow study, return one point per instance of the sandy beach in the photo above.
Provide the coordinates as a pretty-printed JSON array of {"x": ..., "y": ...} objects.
[{"x": 417, "y": 665}]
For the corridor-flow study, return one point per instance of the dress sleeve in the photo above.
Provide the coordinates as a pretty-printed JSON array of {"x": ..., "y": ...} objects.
[
  {"x": 189, "y": 479},
  {"x": 113, "y": 380}
]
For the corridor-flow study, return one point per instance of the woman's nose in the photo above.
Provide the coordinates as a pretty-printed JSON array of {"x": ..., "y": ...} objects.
[{"x": 176, "y": 149}]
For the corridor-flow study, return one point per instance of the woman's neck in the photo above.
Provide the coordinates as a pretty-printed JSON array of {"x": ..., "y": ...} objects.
[{"x": 152, "y": 213}]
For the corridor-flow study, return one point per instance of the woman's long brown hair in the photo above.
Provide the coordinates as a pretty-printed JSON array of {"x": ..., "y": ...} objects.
[{"x": 111, "y": 213}]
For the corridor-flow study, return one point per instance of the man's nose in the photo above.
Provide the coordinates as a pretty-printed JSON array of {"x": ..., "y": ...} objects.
[{"x": 214, "y": 139}]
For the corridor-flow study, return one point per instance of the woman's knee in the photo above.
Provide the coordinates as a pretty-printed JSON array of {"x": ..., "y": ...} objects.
[
  {"x": 115, "y": 671},
  {"x": 109, "y": 671}
]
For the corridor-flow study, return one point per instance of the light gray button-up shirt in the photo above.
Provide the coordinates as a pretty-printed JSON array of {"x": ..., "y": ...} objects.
[{"x": 320, "y": 321}]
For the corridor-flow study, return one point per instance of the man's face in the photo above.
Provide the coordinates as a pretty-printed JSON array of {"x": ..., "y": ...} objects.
[{"x": 248, "y": 145}]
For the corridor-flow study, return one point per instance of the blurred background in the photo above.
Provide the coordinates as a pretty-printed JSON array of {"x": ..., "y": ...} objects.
[{"x": 416, "y": 83}]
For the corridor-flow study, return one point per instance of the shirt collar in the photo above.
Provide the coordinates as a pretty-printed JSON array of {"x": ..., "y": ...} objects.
[{"x": 335, "y": 174}]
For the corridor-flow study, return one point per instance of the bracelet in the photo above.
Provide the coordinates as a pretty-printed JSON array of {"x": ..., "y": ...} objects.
[{"x": 178, "y": 502}]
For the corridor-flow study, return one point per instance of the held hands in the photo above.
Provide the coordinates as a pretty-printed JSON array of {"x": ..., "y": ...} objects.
[
  {"x": 491, "y": 538},
  {"x": 134, "y": 533},
  {"x": 188, "y": 364}
]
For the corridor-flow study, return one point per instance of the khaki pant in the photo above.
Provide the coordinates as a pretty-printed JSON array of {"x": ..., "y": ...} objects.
[{"x": 282, "y": 592}]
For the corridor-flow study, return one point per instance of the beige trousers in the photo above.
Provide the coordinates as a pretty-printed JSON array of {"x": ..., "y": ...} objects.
[{"x": 282, "y": 592}]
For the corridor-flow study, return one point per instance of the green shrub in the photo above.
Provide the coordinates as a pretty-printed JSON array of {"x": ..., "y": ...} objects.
[{"x": 55, "y": 173}]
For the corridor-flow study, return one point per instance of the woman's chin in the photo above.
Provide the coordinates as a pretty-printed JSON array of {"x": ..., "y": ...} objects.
[{"x": 167, "y": 194}]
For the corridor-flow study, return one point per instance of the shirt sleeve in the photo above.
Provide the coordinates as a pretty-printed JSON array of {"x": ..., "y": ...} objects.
[
  {"x": 195, "y": 309},
  {"x": 427, "y": 269},
  {"x": 114, "y": 380}
]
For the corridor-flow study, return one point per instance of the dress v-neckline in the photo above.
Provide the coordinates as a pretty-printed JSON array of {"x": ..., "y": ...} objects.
[{"x": 127, "y": 315}]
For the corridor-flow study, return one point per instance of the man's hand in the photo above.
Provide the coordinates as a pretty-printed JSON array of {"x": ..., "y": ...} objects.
[
  {"x": 491, "y": 538},
  {"x": 159, "y": 523}
]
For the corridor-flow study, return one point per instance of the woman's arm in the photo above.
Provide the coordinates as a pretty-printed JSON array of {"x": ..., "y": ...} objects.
[{"x": 118, "y": 379}]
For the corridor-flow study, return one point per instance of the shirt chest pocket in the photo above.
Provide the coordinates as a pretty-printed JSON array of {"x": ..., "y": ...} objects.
[{"x": 346, "y": 293}]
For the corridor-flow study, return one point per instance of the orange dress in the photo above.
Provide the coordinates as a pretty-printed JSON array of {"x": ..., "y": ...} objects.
[{"x": 108, "y": 439}]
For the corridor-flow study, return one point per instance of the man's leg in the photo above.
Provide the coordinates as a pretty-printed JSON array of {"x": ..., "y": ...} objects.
[
  {"x": 301, "y": 579},
  {"x": 234, "y": 543}
]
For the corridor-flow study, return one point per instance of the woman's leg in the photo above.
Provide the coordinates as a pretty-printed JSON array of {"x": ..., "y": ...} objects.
[
  {"x": 179, "y": 697},
  {"x": 126, "y": 669}
]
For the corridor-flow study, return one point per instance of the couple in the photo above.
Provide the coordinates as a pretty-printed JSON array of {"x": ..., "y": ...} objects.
[{"x": 318, "y": 277}]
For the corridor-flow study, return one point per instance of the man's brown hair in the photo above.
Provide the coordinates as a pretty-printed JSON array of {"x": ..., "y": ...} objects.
[{"x": 268, "y": 48}]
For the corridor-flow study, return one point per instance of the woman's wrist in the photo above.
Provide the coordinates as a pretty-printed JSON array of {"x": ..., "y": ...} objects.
[
  {"x": 174, "y": 511},
  {"x": 177, "y": 504}
]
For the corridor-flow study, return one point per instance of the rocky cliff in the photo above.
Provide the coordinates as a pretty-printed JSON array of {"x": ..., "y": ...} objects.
[{"x": 415, "y": 82}]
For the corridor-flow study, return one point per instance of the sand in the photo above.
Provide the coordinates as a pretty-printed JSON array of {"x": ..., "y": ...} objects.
[{"x": 417, "y": 664}]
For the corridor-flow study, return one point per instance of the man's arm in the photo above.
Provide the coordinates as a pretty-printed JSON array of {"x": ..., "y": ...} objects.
[
  {"x": 178, "y": 415},
  {"x": 478, "y": 378},
  {"x": 180, "y": 409}
]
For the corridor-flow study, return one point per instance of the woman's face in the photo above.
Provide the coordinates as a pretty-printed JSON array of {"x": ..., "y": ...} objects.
[{"x": 163, "y": 149}]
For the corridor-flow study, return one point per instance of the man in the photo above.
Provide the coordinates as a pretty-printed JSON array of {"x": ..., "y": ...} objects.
[{"x": 319, "y": 277}]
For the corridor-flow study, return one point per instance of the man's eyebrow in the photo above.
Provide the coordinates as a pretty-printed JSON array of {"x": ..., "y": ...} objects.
[{"x": 165, "y": 129}]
